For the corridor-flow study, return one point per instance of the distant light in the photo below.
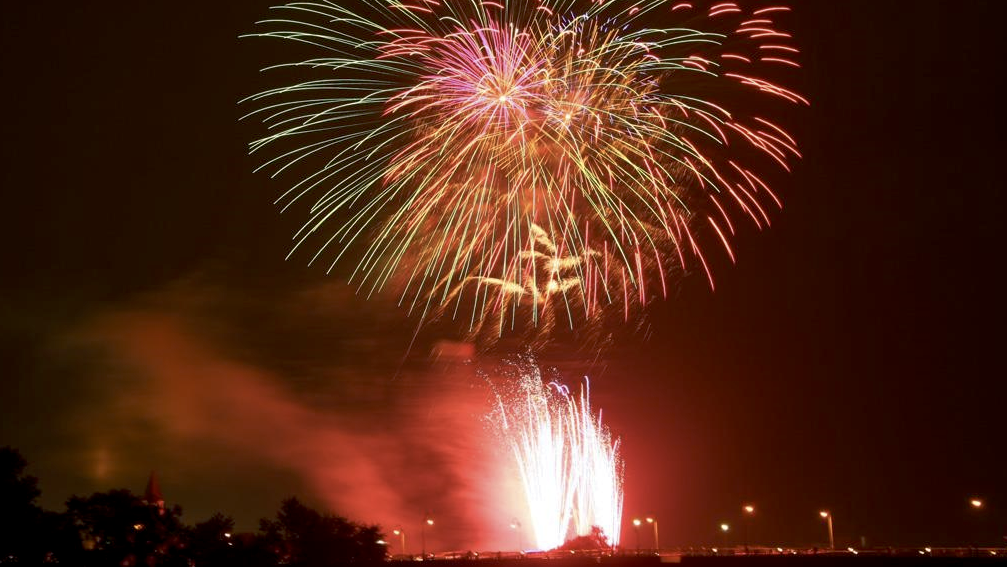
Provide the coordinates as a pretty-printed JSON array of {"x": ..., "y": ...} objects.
[
  {"x": 397, "y": 532},
  {"x": 636, "y": 522},
  {"x": 382, "y": 542},
  {"x": 137, "y": 527},
  {"x": 851, "y": 550},
  {"x": 227, "y": 535},
  {"x": 430, "y": 521},
  {"x": 650, "y": 520},
  {"x": 714, "y": 550},
  {"x": 724, "y": 527},
  {"x": 779, "y": 549},
  {"x": 923, "y": 552},
  {"x": 749, "y": 509},
  {"x": 927, "y": 549},
  {"x": 824, "y": 514},
  {"x": 976, "y": 503}
]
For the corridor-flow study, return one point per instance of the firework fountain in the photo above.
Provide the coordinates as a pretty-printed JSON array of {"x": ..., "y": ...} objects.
[{"x": 568, "y": 461}]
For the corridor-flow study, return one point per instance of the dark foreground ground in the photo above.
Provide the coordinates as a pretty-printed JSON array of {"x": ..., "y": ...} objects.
[{"x": 862, "y": 559}]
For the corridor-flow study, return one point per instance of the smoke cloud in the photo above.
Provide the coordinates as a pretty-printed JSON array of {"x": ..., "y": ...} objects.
[{"x": 245, "y": 389}]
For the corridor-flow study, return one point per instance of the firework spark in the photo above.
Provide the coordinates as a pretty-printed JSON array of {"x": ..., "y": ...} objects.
[
  {"x": 448, "y": 141},
  {"x": 569, "y": 464}
]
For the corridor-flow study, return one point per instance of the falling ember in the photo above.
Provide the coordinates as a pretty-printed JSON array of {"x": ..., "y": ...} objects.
[{"x": 569, "y": 464}]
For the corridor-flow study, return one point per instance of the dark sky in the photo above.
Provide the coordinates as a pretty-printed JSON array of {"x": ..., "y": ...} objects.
[{"x": 852, "y": 360}]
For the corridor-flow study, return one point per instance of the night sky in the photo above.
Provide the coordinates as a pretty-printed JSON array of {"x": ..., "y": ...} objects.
[{"x": 852, "y": 360}]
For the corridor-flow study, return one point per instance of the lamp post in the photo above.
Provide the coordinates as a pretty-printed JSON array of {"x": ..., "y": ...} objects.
[
  {"x": 827, "y": 516},
  {"x": 724, "y": 528},
  {"x": 657, "y": 541},
  {"x": 402, "y": 538},
  {"x": 977, "y": 506},
  {"x": 636, "y": 528},
  {"x": 516, "y": 526},
  {"x": 749, "y": 511},
  {"x": 427, "y": 521}
]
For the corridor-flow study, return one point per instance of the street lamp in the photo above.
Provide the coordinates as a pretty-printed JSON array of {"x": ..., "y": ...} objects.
[
  {"x": 516, "y": 526},
  {"x": 402, "y": 538},
  {"x": 636, "y": 528},
  {"x": 724, "y": 528},
  {"x": 657, "y": 540},
  {"x": 749, "y": 511},
  {"x": 977, "y": 505},
  {"x": 827, "y": 516},
  {"x": 427, "y": 521}
]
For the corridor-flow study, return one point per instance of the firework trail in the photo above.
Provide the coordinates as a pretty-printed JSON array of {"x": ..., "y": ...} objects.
[
  {"x": 568, "y": 462},
  {"x": 524, "y": 157}
]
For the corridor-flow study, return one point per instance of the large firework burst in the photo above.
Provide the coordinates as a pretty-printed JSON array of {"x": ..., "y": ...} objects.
[{"x": 525, "y": 156}]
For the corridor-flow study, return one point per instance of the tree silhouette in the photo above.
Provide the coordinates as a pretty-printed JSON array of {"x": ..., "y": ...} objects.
[
  {"x": 117, "y": 527},
  {"x": 20, "y": 518},
  {"x": 304, "y": 537},
  {"x": 595, "y": 541},
  {"x": 212, "y": 542}
]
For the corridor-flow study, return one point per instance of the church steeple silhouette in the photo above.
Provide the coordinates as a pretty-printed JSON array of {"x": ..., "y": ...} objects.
[{"x": 152, "y": 495}]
